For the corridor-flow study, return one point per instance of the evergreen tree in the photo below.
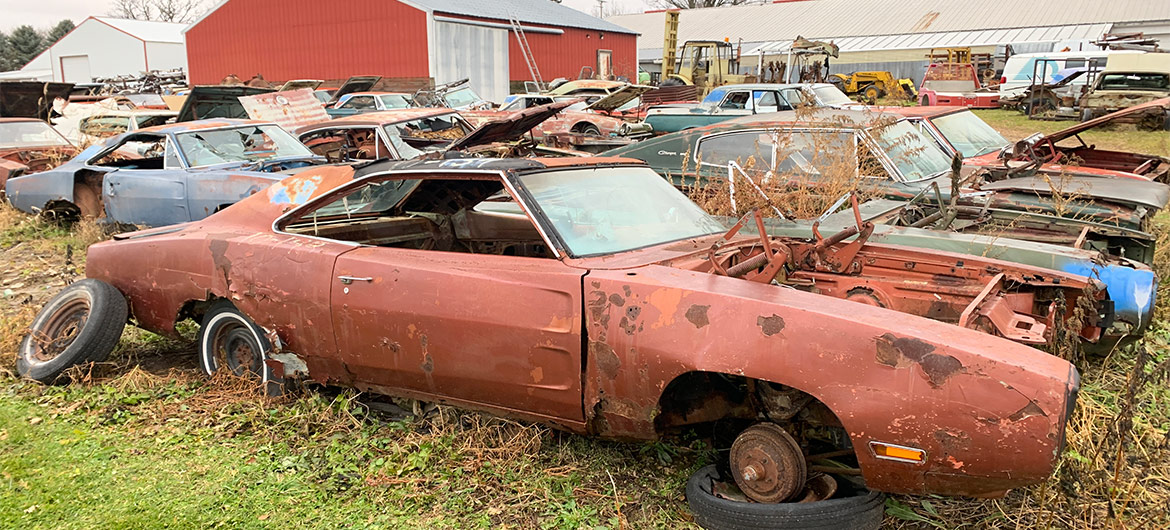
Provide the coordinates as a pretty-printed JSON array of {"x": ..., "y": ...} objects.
[
  {"x": 5, "y": 64},
  {"x": 58, "y": 31},
  {"x": 24, "y": 43}
]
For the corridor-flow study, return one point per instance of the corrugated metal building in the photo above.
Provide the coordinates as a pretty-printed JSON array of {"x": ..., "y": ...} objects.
[
  {"x": 896, "y": 35},
  {"x": 443, "y": 40},
  {"x": 108, "y": 47}
]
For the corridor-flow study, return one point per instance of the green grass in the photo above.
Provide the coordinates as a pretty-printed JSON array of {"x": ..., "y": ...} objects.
[{"x": 1016, "y": 126}]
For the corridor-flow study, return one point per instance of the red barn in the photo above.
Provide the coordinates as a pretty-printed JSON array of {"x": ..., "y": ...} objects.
[{"x": 443, "y": 40}]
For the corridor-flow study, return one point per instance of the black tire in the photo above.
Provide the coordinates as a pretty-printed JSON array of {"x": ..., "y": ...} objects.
[
  {"x": 223, "y": 334},
  {"x": 1166, "y": 122},
  {"x": 925, "y": 101},
  {"x": 673, "y": 81},
  {"x": 81, "y": 324},
  {"x": 863, "y": 511}
]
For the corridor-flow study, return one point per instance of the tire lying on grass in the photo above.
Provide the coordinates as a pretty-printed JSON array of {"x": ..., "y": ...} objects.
[
  {"x": 861, "y": 510},
  {"x": 81, "y": 324}
]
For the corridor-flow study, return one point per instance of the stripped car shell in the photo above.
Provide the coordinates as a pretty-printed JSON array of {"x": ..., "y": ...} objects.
[{"x": 614, "y": 343}]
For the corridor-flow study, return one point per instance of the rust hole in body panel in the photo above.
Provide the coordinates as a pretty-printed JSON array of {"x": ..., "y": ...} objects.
[
  {"x": 697, "y": 315},
  {"x": 770, "y": 325}
]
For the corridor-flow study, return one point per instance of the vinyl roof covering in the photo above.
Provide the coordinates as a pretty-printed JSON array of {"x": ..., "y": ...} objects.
[
  {"x": 989, "y": 37},
  {"x": 146, "y": 30},
  {"x": 825, "y": 19},
  {"x": 530, "y": 11}
]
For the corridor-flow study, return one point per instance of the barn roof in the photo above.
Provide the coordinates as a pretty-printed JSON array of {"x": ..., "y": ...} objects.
[
  {"x": 145, "y": 30},
  {"x": 530, "y": 11}
]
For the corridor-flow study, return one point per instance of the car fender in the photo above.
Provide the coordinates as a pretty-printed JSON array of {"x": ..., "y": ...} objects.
[
  {"x": 32, "y": 193},
  {"x": 959, "y": 395}
]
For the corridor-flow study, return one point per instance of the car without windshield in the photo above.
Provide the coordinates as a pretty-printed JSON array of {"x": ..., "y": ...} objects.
[
  {"x": 29, "y": 145},
  {"x": 587, "y": 294}
]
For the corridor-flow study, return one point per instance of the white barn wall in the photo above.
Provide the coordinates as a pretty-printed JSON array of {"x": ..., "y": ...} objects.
[
  {"x": 166, "y": 55},
  {"x": 111, "y": 52}
]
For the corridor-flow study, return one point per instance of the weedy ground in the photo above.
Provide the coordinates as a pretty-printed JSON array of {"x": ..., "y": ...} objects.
[{"x": 145, "y": 441}]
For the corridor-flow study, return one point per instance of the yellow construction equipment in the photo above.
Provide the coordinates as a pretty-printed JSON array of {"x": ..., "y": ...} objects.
[
  {"x": 705, "y": 63},
  {"x": 874, "y": 85}
]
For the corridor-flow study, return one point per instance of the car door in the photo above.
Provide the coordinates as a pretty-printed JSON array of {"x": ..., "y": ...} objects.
[
  {"x": 144, "y": 191},
  {"x": 736, "y": 103},
  {"x": 479, "y": 328}
]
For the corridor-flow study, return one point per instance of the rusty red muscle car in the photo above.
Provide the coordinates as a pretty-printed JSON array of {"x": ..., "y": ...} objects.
[
  {"x": 29, "y": 145},
  {"x": 587, "y": 294}
]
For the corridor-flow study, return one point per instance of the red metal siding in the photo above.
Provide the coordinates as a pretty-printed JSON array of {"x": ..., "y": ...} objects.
[
  {"x": 564, "y": 55},
  {"x": 297, "y": 39}
]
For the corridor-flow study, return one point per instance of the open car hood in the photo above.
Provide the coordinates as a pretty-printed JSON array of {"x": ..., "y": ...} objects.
[
  {"x": 357, "y": 83},
  {"x": 1097, "y": 122},
  {"x": 217, "y": 101},
  {"x": 620, "y": 97},
  {"x": 310, "y": 84},
  {"x": 1131, "y": 191},
  {"x": 510, "y": 127},
  {"x": 30, "y": 99}
]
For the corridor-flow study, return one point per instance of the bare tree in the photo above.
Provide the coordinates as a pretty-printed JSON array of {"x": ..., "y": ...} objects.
[
  {"x": 693, "y": 4},
  {"x": 160, "y": 10}
]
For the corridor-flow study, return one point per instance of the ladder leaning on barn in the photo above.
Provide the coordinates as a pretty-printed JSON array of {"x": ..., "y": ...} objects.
[{"x": 529, "y": 59}]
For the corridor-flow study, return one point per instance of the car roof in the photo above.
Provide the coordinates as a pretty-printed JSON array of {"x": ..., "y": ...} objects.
[
  {"x": 383, "y": 117},
  {"x": 351, "y": 94},
  {"x": 15, "y": 120},
  {"x": 196, "y": 125},
  {"x": 924, "y": 111},
  {"x": 835, "y": 118},
  {"x": 773, "y": 86},
  {"x": 479, "y": 165}
]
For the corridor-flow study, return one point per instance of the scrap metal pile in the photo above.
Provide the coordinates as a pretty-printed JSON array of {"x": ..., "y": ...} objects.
[{"x": 538, "y": 258}]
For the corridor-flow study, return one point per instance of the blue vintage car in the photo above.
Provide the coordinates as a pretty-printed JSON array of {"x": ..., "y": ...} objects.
[
  {"x": 733, "y": 101},
  {"x": 165, "y": 175}
]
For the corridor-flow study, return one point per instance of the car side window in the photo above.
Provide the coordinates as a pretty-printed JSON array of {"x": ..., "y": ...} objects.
[
  {"x": 794, "y": 97},
  {"x": 749, "y": 149},
  {"x": 171, "y": 158},
  {"x": 736, "y": 101},
  {"x": 475, "y": 216},
  {"x": 139, "y": 151},
  {"x": 103, "y": 126},
  {"x": 766, "y": 101},
  {"x": 358, "y": 143},
  {"x": 359, "y": 103}
]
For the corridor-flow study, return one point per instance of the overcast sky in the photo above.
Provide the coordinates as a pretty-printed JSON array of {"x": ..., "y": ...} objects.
[{"x": 42, "y": 14}]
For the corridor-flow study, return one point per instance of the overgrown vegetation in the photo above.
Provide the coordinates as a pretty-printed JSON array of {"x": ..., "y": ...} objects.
[{"x": 144, "y": 441}]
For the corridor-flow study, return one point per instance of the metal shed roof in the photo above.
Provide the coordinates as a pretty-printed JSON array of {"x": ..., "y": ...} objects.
[
  {"x": 530, "y": 11},
  {"x": 848, "y": 18},
  {"x": 913, "y": 41},
  {"x": 145, "y": 30}
]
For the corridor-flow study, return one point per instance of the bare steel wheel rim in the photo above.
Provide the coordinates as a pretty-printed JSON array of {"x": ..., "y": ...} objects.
[
  {"x": 53, "y": 337},
  {"x": 235, "y": 348},
  {"x": 767, "y": 463}
]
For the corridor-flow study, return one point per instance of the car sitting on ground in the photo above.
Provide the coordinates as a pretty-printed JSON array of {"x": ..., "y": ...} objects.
[
  {"x": 362, "y": 102},
  {"x": 165, "y": 175},
  {"x": 29, "y": 145},
  {"x": 959, "y": 131},
  {"x": 611, "y": 306},
  {"x": 732, "y": 101},
  {"x": 845, "y": 149},
  {"x": 1128, "y": 80}
]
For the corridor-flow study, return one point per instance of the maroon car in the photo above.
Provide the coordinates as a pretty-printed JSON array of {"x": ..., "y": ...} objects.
[
  {"x": 590, "y": 295},
  {"x": 29, "y": 145}
]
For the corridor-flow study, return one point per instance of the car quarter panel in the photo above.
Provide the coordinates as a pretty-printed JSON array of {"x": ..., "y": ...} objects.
[{"x": 989, "y": 413}]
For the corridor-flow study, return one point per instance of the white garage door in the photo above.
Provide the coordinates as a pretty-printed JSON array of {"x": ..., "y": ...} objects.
[
  {"x": 475, "y": 52},
  {"x": 75, "y": 69}
]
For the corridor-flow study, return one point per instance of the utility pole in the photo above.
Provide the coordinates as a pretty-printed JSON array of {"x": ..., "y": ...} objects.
[{"x": 601, "y": 8}]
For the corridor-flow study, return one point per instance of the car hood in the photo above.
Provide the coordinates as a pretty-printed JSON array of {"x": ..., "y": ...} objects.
[
  {"x": 217, "y": 101},
  {"x": 1131, "y": 191},
  {"x": 510, "y": 127},
  {"x": 1097, "y": 122},
  {"x": 618, "y": 98},
  {"x": 357, "y": 83}
]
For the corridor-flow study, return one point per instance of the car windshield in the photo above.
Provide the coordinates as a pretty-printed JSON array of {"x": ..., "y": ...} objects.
[
  {"x": 830, "y": 95},
  {"x": 29, "y": 134},
  {"x": 395, "y": 101},
  {"x": 252, "y": 143},
  {"x": 1141, "y": 81},
  {"x": 461, "y": 97},
  {"x": 915, "y": 154},
  {"x": 415, "y": 137},
  {"x": 970, "y": 135},
  {"x": 608, "y": 210}
]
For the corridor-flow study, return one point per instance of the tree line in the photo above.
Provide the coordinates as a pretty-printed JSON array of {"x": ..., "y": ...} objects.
[{"x": 25, "y": 42}]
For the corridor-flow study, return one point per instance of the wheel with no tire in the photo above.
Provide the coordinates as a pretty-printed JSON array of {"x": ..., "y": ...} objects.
[
  {"x": 588, "y": 129},
  {"x": 851, "y": 510},
  {"x": 81, "y": 324},
  {"x": 229, "y": 340},
  {"x": 925, "y": 101}
]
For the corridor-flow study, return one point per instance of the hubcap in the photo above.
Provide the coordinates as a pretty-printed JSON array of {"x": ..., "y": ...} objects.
[
  {"x": 768, "y": 464},
  {"x": 236, "y": 349},
  {"x": 60, "y": 331}
]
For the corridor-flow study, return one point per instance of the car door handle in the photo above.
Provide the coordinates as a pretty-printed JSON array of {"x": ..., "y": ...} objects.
[{"x": 350, "y": 279}]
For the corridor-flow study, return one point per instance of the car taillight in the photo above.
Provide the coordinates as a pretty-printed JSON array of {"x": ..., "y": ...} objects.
[{"x": 1003, "y": 80}]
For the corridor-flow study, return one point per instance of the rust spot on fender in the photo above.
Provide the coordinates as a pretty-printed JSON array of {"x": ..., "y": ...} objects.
[
  {"x": 1029, "y": 410},
  {"x": 899, "y": 352},
  {"x": 697, "y": 315},
  {"x": 633, "y": 311},
  {"x": 218, "y": 248},
  {"x": 617, "y": 300},
  {"x": 428, "y": 364},
  {"x": 607, "y": 360},
  {"x": 770, "y": 325}
]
